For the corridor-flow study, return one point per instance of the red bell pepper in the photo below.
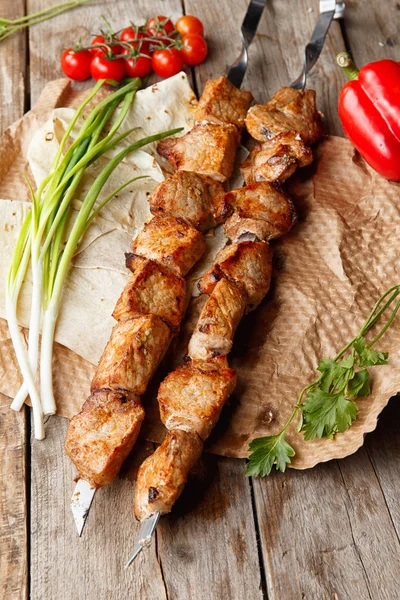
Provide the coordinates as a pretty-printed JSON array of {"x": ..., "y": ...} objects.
[{"x": 369, "y": 108}]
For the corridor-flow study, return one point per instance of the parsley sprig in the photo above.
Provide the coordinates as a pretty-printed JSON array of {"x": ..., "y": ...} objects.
[{"x": 327, "y": 405}]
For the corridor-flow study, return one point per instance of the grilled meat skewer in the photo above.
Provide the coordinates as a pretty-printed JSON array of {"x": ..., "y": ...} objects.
[
  {"x": 151, "y": 306},
  {"x": 192, "y": 397}
]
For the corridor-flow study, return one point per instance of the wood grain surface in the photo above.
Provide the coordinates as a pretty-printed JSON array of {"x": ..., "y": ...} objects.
[
  {"x": 13, "y": 447},
  {"x": 328, "y": 533}
]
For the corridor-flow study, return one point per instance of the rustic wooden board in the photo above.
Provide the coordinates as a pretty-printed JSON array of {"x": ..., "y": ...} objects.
[
  {"x": 208, "y": 545},
  {"x": 332, "y": 532},
  {"x": 12, "y": 67},
  {"x": 13, "y": 509},
  {"x": 13, "y": 465}
]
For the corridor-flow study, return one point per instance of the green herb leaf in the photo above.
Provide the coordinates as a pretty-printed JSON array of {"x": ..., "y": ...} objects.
[
  {"x": 326, "y": 414},
  {"x": 358, "y": 385},
  {"x": 335, "y": 374},
  {"x": 267, "y": 451},
  {"x": 366, "y": 357}
]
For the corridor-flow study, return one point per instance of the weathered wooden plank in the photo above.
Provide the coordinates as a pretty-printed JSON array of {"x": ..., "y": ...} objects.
[
  {"x": 12, "y": 68},
  {"x": 13, "y": 532},
  {"x": 383, "y": 448},
  {"x": 373, "y": 30},
  {"x": 307, "y": 536},
  {"x": 208, "y": 544},
  {"x": 375, "y": 538}
]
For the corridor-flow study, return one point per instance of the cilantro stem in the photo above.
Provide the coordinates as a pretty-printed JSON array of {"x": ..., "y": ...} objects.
[{"x": 327, "y": 404}]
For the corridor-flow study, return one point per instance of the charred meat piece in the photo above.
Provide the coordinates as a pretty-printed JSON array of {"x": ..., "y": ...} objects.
[
  {"x": 258, "y": 211},
  {"x": 170, "y": 241},
  {"x": 192, "y": 397},
  {"x": 132, "y": 354},
  {"x": 288, "y": 110},
  {"x": 221, "y": 102},
  {"x": 152, "y": 289},
  {"x": 277, "y": 159},
  {"x": 248, "y": 264},
  {"x": 218, "y": 321},
  {"x": 208, "y": 149},
  {"x": 162, "y": 476},
  {"x": 185, "y": 194},
  {"x": 101, "y": 436}
]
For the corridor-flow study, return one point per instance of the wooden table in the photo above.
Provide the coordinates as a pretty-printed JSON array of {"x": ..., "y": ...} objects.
[{"x": 328, "y": 533}]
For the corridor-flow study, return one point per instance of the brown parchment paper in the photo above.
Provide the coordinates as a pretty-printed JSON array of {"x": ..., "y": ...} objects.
[{"x": 329, "y": 271}]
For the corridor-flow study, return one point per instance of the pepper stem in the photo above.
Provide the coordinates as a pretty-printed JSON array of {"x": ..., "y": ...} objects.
[{"x": 345, "y": 61}]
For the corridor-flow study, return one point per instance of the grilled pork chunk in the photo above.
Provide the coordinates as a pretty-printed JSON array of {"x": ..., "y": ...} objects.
[
  {"x": 101, "y": 436},
  {"x": 185, "y": 194},
  {"x": 208, "y": 149},
  {"x": 258, "y": 211},
  {"x": 277, "y": 159},
  {"x": 132, "y": 355},
  {"x": 152, "y": 289},
  {"x": 248, "y": 264},
  {"x": 170, "y": 241},
  {"x": 288, "y": 110},
  {"x": 192, "y": 397},
  {"x": 162, "y": 476},
  {"x": 221, "y": 102},
  {"x": 218, "y": 321}
]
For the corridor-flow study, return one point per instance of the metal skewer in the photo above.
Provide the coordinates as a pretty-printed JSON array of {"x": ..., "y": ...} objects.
[
  {"x": 80, "y": 503},
  {"x": 328, "y": 10},
  {"x": 146, "y": 531},
  {"x": 247, "y": 32},
  {"x": 235, "y": 75}
]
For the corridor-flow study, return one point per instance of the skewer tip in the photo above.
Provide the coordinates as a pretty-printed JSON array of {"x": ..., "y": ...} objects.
[
  {"x": 80, "y": 503},
  {"x": 146, "y": 532}
]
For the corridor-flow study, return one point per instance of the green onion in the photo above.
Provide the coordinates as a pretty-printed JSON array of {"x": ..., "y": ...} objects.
[
  {"x": 43, "y": 242},
  {"x": 10, "y": 26}
]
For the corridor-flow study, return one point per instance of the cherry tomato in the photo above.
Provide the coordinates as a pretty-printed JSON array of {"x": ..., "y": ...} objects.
[
  {"x": 136, "y": 66},
  {"x": 76, "y": 65},
  {"x": 105, "y": 68},
  {"x": 99, "y": 39},
  {"x": 160, "y": 26},
  {"x": 167, "y": 62},
  {"x": 130, "y": 35},
  {"x": 189, "y": 24},
  {"x": 194, "y": 49}
]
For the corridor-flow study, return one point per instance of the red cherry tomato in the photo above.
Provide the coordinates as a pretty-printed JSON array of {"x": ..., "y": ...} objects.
[
  {"x": 136, "y": 66},
  {"x": 167, "y": 62},
  {"x": 99, "y": 39},
  {"x": 160, "y": 26},
  {"x": 130, "y": 35},
  {"x": 189, "y": 24},
  {"x": 105, "y": 68},
  {"x": 76, "y": 65},
  {"x": 194, "y": 49}
]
